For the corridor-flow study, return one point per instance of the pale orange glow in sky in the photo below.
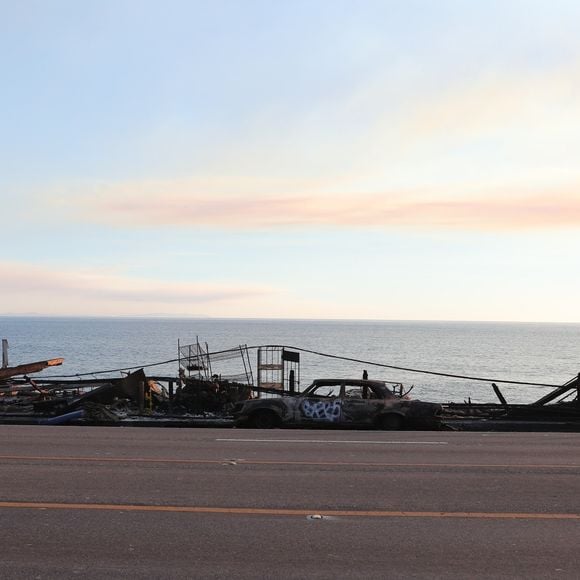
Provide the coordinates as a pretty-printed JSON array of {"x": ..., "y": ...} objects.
[
  {"x": 536, "y": 212},
  {"x": 388, "y": 160}
]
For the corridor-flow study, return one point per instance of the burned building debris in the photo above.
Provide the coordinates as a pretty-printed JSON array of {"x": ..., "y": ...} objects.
[
  {"x": 557, "y": 410},
  {"x": 210, "y": 388},
  {"x": 196, "y": 395}
]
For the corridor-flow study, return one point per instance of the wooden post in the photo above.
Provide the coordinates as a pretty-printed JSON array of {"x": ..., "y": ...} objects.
[
  {"x": 141, "y": 397},
  {"x": 4, "y": 353},
  {"x": 171, "y": 396}
]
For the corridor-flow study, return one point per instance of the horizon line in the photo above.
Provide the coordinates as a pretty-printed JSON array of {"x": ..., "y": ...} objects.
[{"x": 274, "y": 318}]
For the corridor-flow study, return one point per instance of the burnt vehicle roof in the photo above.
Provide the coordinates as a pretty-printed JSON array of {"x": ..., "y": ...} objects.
[
  {"x": 381, "y": 386},
  {"x": 358, "y": 382}
]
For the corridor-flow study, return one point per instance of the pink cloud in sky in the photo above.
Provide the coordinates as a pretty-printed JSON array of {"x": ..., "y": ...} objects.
[
  {"x": 26, "y": 283},
  {"x": 509, "y": 212}
]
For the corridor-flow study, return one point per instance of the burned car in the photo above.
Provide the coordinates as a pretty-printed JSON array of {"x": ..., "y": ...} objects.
[{"x": 340, "y": 403}]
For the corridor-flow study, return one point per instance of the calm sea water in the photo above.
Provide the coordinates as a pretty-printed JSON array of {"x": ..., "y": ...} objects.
[{"x": 543, "y": 353}]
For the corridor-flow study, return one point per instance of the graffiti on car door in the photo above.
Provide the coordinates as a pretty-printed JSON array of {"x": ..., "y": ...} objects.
[{"x": 322, "y": 410}]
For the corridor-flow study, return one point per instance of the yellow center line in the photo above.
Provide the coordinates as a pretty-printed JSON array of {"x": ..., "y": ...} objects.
[
  {"x": 282, "y": 512},
  {"x": 280, "y": 462},
  {"x": 107, "y": 459}
]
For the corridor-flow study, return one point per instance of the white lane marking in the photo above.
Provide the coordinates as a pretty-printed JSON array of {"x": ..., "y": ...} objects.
[{"x": 334, "y": 441}]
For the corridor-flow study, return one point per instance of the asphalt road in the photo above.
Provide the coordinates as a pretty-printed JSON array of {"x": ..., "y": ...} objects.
[{"x": 212, "y": 503}]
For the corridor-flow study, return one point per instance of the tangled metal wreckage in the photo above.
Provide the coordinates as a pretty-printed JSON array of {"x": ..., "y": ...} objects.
[
  {"x": 198, "y": 395},
  {"x": 210, "y": 387}
]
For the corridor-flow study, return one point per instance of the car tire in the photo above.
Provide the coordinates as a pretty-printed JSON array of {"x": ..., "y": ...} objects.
[
  {"x": 264, "y": 420},
  {"x": 391, "y": 422}
]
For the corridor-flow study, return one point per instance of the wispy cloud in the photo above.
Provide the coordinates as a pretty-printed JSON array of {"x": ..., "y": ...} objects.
[
  {"x": 488, "y": 154},
  {"x": 498, "y": 210},
  {"x": 460, "y": 155},
  {"x": 101, "y": 292}
]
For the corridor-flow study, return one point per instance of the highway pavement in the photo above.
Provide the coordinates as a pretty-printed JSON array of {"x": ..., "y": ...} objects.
[{"x": 150, "y": 503}]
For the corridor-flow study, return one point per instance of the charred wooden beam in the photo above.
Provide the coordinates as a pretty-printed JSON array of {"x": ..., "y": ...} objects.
[
  {"x": 499, "y": 394},
  {"x": 559, "y": 392},
  {"x": 29, "y": 368}
]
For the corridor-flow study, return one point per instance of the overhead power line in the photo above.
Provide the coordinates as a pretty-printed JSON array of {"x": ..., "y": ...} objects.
[{"x": 325, "y": 355}]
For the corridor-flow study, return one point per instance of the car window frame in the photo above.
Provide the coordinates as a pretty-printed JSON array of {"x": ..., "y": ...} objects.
[{"x": 338, "y": 384}]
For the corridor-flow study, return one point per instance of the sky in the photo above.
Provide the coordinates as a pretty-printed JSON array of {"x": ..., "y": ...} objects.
[{"x": 329, "y": 159}]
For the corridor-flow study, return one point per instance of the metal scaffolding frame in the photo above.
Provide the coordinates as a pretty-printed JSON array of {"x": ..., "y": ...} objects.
[
  {"x": 196, "y": 361},
  {"x": 278, "y": 368}
]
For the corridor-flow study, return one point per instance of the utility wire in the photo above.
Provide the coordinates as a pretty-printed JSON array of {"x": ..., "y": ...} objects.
[
  {"x": 439, "y": 374},
  {"x": 165, "y": 362},
  {"x": 326, "y": 355},
  {"x": 78, "y": 375}
]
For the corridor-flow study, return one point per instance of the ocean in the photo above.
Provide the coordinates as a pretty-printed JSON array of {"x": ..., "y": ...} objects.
[{"x": 533, "y": 352}]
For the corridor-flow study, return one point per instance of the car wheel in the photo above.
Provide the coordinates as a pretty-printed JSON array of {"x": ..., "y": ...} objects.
[
  {"x": 391, "y": 422},
  {"x": 264, "y": 420}
]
